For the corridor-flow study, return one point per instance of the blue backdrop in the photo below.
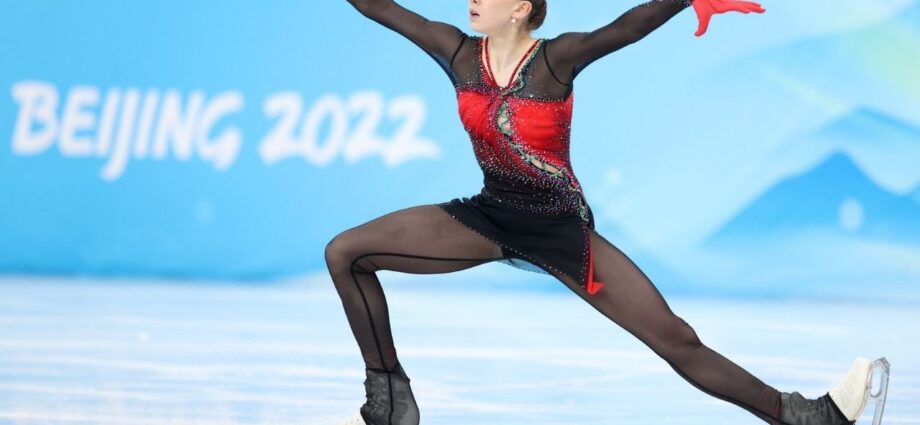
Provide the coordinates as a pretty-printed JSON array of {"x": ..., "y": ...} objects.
[{"x": 777, "y": 154}]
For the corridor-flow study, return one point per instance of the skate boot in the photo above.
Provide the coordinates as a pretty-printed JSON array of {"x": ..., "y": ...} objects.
[
  {"x": 854, "y": 391},
  {"x": 843, "y": 404},
  {"x": 389, "y": 400},
  {"x": 797, "y": 410}
]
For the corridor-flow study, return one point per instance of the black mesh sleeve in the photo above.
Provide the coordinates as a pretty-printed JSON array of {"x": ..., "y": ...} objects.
[
  {"x": 439, "y": 40},
  {"x": 569, "y": 53}
]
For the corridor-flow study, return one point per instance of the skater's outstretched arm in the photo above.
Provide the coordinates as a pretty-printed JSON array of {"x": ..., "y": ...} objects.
[
  {"x": 440, "y": 40},
  {"x": 570, "y": 52}
]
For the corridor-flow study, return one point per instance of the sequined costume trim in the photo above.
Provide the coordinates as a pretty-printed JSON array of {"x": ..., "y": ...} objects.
[
  {"x": 515, "y": 174},
  {"x": 505, "y": 124}
]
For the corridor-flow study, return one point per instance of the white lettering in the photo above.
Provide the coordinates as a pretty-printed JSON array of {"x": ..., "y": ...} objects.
[
  {"x": 77, "y": 118},
  {"x": 311, "y": 147},
  {"x": 155, "y": 124},
  {"x": 172, "y": 126},
  {"x": 279, "y": 142},
  {"x": 107, "y": 122},
  {"x": 142, "y": 140},
  {"x": 406, "y": 144},
  {"x": 223, "y": 149},
  {"x": 37, "y": 102},
  {"x": 114, "y": 168},
  {"x": 364, "y": 141}
]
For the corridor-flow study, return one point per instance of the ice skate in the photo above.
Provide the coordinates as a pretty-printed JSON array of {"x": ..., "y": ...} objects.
[
  {"x": 389, "y": 400},
  {"x": 843, "y": 404},
  {"x": 798, "y": 410},
  {"x": 853, "y": 392}
]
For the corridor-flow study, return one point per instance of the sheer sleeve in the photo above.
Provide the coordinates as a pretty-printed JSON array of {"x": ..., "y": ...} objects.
[
  {"x": 439, "y": 40},
  {"x": 569, "y": 53}
]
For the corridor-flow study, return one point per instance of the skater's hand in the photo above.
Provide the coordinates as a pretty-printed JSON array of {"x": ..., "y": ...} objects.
[{"x": 706, "y": 8}]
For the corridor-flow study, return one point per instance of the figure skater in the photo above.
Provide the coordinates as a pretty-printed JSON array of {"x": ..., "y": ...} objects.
[{"x": 515, "y": 101}]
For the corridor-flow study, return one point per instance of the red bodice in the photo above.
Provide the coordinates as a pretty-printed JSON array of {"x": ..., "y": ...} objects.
[{"x": 522, "y": 146}]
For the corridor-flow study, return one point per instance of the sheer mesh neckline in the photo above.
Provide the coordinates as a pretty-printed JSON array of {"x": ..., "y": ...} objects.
[{"x": 515, "y": 75}]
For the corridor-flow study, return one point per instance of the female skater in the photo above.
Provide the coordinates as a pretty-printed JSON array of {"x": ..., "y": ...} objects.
[{"x": 515, "y": 100}]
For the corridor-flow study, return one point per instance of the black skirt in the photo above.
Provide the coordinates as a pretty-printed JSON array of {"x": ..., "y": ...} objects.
[{"x": 530, "y": 241}]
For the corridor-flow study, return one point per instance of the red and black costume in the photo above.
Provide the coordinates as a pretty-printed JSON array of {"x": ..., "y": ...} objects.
[
  {"x": 531, "y": 203},
  {"x": 531, "y": 211}
]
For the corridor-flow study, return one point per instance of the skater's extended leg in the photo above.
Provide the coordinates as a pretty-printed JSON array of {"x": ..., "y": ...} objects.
[
  {"x": 422, "y": 239},
  {"x": 631, "y": 300}
]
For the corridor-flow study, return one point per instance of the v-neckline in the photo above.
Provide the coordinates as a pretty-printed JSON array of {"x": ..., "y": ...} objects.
[{"x": 514, "y": 74}]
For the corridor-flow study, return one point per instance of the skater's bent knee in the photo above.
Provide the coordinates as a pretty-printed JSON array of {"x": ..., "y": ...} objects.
[
  {"x": 678, "y": 338},
  {"x": 688, "y": 338},
  {"x": 337, "y": 251},
  {"x": 330, "y": 251},
  {"x": 345, "y": 253}
]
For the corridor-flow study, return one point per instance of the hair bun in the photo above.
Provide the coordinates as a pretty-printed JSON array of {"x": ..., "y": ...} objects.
[{"x": 537, "y": 14}]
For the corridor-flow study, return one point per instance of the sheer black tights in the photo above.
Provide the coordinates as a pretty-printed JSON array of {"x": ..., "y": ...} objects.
[
  {"x": 422, "y": 239},
  {"x": 425, "y": 239},
  {"x": 632, "y": 301}
]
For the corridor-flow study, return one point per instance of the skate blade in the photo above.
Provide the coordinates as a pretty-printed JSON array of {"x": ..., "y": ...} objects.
[
  {"x": 354, "y": 420},
  {"x": 881, "y": 369}
]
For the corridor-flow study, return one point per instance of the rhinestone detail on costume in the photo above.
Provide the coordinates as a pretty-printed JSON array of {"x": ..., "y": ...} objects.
[{"x": 524, "y": 152}]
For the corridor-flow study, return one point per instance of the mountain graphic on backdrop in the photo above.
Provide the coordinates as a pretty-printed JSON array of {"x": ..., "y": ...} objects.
[
  {"x": 834, "y": 197},
  {"x": 809, "y": 80},
  {"x": 868, "y": 126},
  {"x": 886, "y": 148}
]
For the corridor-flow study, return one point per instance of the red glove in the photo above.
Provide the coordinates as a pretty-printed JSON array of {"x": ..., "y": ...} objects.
[{"x": 706, "y": 8}]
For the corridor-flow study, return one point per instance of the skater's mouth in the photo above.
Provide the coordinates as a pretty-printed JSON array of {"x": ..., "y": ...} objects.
[{"x": 473, "y": 14}]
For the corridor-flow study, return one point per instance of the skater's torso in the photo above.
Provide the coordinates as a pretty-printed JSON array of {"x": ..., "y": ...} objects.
[{"x": 520, "y": 134}]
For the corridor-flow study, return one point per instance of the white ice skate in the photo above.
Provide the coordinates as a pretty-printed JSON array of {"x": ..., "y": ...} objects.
[{"x": 853, "y": 392}]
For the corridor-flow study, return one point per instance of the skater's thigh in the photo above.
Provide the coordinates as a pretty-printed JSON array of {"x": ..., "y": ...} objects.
[
  {"x": 419, "y": 239},
  {"x": 630, "y": 299}
]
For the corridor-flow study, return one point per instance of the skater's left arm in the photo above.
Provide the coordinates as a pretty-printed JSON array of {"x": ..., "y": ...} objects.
[{"x": 570, "y": 52}]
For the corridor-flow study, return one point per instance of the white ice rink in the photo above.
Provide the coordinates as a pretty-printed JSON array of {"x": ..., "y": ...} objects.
[{"x": 153, "y": 352}]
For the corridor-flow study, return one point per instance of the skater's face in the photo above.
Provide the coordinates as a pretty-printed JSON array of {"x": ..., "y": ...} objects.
[{"x": 488, "y": 16}]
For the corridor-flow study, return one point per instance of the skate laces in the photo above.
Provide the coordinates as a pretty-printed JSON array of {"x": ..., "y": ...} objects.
[{"x": 376, "y": 392}]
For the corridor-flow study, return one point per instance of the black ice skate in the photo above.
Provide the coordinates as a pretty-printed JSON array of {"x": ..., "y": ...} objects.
[
  {"x": 798, "y": 410},
  {"x": 389, "y": 400},
  {"x": 844, "y": 403}
]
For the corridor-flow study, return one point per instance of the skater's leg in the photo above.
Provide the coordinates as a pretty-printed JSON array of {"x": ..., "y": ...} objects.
[
  {"x": 631, "y": 300},
  {"x": 422, "y": 239}
]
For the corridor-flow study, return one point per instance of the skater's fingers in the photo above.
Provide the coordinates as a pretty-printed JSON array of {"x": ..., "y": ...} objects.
[
  {"x": 752, "y": 6},
  {"x": 738, "y": 8},
  {"x": 745, "y": 7},
  {"x": 749, "y": 4},
  {"x": 703, "y": 25}
]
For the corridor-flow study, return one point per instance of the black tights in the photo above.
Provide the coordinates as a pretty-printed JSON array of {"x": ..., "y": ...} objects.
[{"x": 425, "y": 239}]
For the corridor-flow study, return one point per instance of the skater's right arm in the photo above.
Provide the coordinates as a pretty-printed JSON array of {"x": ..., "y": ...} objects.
[{"x": 438, "y": 39}]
